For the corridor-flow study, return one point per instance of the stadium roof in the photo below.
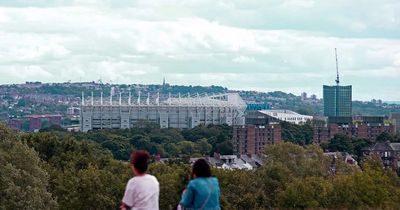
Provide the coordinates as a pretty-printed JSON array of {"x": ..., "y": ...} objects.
[{"x": 213, "y": 100}]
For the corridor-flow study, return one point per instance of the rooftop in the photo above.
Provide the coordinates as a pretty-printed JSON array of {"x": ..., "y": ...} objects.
[
  {"x": 42, "y": 115},
  {"x": 214, "y": 100}
]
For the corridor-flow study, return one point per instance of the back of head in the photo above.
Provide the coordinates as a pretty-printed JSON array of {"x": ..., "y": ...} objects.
[
  {"x": 201, "y": 168},
  {"x": 140, "y": 160}
]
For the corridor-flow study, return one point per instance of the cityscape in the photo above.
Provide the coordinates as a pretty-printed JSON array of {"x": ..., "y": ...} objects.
[{"x": 284, "y": 112}]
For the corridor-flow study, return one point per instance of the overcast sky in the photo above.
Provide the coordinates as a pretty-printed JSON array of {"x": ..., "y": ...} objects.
[{"x": 263, "y": 45}]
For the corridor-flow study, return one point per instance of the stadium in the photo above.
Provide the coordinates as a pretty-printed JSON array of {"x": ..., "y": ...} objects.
[{"x": 169, "y": 112}]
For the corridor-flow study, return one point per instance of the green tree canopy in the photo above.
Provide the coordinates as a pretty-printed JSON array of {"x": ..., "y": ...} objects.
[{"x": 23, "y": 183}]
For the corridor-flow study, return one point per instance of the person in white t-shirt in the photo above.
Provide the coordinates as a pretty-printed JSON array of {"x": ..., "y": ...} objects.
[{"x": 142, "y": 191}]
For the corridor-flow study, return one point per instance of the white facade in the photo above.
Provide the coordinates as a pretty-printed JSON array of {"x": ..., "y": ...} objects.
[
  {"x": 288, "y": 116},
  {"x": 180, "y": 112}
]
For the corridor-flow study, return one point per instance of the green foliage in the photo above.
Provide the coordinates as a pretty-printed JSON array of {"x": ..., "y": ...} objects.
[
  {"x": 310, "y": 192},
  {"x": 298, "y": 134},
  {"x": 50, "y": 170},
  {"x": 171, "y": 142},
  {"x": 82, "y": 175},
  {"x": 300, "y": 180},
  {"x": 343, "y": 143},
  {"x": 301, "y": 162},
  {"x": 23, "y": 183},
  {"x": 240, "y": 189},
  {"x": 383, "y": 137},
  {"x": 52, "y": 127},
  {"x": 21, "y": 103}
]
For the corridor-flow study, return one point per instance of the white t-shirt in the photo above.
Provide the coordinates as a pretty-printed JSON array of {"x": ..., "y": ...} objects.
[{"x": 142, "y": 193}]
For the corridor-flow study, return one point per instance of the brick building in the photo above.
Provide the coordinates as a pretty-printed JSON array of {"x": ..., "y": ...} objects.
[
  {"x": 252, "y": 139},
  {"x": 388, "y": 152},
  {"x": 36, "y": 122},
  {"x": 357, "y": 130},
  {"x": 15, "y": 123},
  {"x": 395, "y": 118}
]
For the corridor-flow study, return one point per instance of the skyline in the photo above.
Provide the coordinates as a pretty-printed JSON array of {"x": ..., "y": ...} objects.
[{"x": 243, "y": 45}]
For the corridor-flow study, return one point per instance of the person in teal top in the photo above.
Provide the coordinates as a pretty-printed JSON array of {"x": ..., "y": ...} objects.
[{"x": 202, "y": 192}]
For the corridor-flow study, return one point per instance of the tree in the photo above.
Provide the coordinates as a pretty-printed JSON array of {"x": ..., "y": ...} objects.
[
  {"x": 186, "y": 147},
  {"x": 311, "y": 192},
  {"x": 21, "y": 103},
  {"x": 203, "y": 147},
  {"x": 385, "y": 137},
  {"x": 340, "y": 143},
  {"x": 358, "y": 145},
  {"x": 78, "y": 171},
  {"x": 89, "y": 188},
  {"x": 374, "y": 187},
  {"x": 298, "y": 134},
  {"x": 240, "y": 189},
  {"x": 81, "y": 172},
  {"x": 224, "y": 148},
  {"x": 307, "y": 161},
  {"x": 23, "y": 183}
]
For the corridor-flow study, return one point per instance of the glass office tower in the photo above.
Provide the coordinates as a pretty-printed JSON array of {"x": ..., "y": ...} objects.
[{"x": 337, "y": 101}]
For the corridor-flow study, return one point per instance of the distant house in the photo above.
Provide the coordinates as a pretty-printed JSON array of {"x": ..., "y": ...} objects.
[
  {"x": 229, "y": 162},
  {"x": 242, "y": 162},
  {"x": 15, "y": 123},
  {"x": 389, "y": 153},
  {"x": 36, "y": 121}
]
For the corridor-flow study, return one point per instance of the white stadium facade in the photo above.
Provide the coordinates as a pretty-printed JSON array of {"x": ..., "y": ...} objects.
[{"x": 170, "y": 112}]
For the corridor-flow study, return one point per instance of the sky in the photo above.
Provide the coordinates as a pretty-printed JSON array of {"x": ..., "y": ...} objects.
[{"x": 263, "y": 45}]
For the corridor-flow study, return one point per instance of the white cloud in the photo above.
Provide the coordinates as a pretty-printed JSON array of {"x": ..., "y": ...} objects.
[
  {"x": 298, "y": 3},
  {"x": 264, "y": 45},
  {"x": 243, "y": 59}
]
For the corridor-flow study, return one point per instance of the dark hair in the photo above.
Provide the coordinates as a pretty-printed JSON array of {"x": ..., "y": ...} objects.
[
  {"x": 140, "y": 160},
  {"x": 201, "y": 168}
]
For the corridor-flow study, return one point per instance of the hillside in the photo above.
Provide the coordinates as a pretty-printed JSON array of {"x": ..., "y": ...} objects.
[{"x": 23, "y": 99}]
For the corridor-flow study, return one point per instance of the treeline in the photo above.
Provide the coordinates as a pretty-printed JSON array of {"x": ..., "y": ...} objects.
[
  {"x": 50, "y": 170},
  {"x": 75, "y": 89},
  {"x": 303, "y": 135},
  {"x": 354, "y": 146},
  {"x": 169, "y": 142}
]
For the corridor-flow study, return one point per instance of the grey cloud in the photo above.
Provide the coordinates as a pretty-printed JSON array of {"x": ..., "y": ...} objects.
[{"x": 141, "y": 43}]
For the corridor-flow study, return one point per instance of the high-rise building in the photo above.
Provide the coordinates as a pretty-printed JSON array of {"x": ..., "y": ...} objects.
[{"x": 337, "y": 99}]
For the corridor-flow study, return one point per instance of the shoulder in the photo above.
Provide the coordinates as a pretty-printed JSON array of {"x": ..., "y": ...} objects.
[
  {"x": 214, "y": 179},
  {"x": 132, "y": 182},
  {"x": 152, "y": 180},
  {"x": 194, "y": 182},
  {"x": 202, "y": 180},
  {"x": 151, "y": 177}
]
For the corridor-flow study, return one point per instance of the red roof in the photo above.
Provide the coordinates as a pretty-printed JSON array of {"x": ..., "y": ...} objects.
[{"x": 43, "y": 115}]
